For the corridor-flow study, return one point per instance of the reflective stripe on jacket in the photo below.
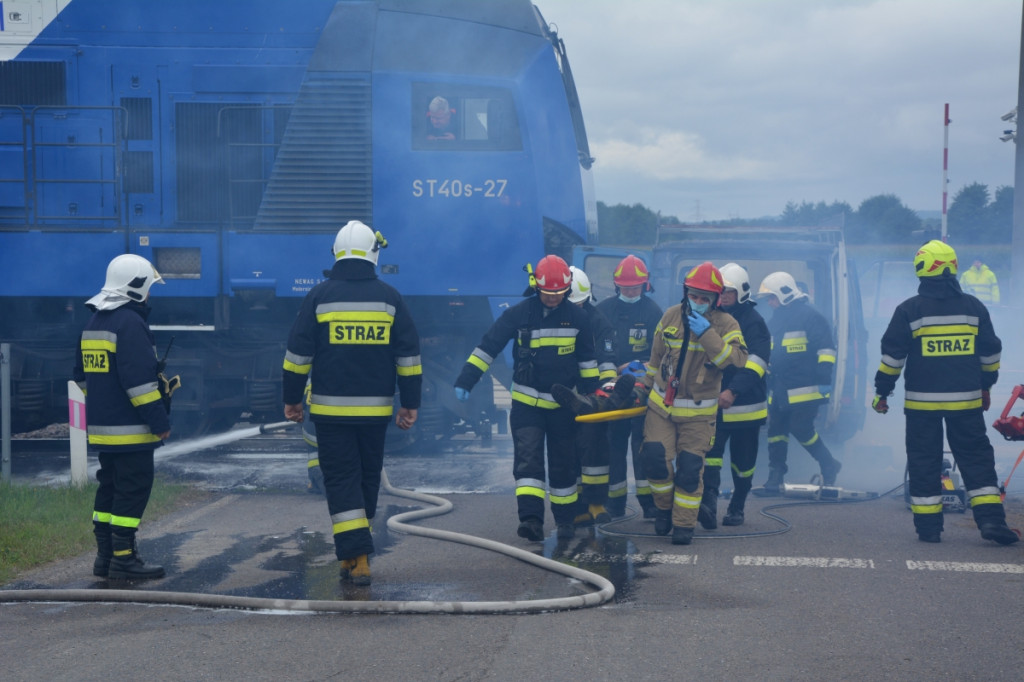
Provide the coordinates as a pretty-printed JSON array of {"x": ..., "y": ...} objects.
[
  {"x": 550, "y": 346},
  {"x": 803, "y": 353},
  {"x": 748, "y": 383},
  {"x": 118, "y": 364},
  {"x": 701, "y": 376},
  {"x": 945, "y": 342},
  {"x": 354, "y": 339}
]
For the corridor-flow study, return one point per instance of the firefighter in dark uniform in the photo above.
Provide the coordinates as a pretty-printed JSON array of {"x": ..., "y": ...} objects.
[
  {"x": 634, "y": 316},
  {"x": 592, "y": 439},
  {"x": 693, "y": 344},
  {"x": 554, "y": 344},
  {"x": 945, "y": 340},
  {"x": 800, "y": 379},
  {"x": 126, "y": 412},
  {"x": 742, "y": 405},
  {"x": 356, "y": 336}
]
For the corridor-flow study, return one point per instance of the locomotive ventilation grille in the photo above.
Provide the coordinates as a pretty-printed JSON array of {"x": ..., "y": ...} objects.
[{"x": 322, "y": 175}]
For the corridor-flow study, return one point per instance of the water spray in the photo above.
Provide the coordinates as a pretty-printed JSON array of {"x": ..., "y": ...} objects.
[{"x": 205, "y": 442}]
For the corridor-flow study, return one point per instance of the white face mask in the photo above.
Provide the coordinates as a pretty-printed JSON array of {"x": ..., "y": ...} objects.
[
  {"x": 629, "y": 299},
  {"x": 699, "y": 308}
]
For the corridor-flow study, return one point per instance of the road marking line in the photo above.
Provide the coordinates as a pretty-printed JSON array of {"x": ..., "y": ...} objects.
[
  {"x": 672, "y": 559},
  {"x": 813, "y": 562},
  {"x": 595, "y": 557},
  {"x": 968, "y": 566}
]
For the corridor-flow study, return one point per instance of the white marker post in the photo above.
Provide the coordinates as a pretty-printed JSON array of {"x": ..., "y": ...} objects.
[{"x": 77, "y": 435}]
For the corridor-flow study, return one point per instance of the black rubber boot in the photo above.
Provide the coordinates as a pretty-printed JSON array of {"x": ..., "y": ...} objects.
[
  {"x": 573, "y": 401},
  {"x": 647, "y": 505},
  {"x": 662, "y": 521},
  {"x": 733, "y": 517},
  {"x": 616, "y": 507},
  {"x": 929, "y": 535},
  {"x": 104, "y": 549},
  {"x": 531, "y": 529},
  {"x": 773, "y": 486},
  {"x": 707, "y": 515},
  {"x": 998, "y": 532},
  {"x": 565, "y": 531},
  {"x": 620, "y": 396},
  {"x": 126, "y": 563},
  {"x": 829, "y": 470},
  {"x": 682, "y": 536}
]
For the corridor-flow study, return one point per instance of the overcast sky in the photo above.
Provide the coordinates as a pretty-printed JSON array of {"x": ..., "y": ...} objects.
[{"x": 716, "y": 109}]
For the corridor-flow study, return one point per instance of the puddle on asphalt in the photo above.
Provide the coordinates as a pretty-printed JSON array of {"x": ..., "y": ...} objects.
[{"x": 302, "y": 565}]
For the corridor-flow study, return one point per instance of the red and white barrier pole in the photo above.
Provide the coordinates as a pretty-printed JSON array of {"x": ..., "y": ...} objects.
[{"x": 77, "y": 435}]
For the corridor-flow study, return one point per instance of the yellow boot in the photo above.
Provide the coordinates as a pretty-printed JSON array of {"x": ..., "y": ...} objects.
[
  {"x": 360, "y": 570},
  {"x": 584, "y": 519},
  {"x": 346, "y": 568},
  {"x": 599, "y": 513}
]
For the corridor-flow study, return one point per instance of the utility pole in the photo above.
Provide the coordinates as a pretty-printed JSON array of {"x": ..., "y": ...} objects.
[
  {"x": 1017, "y": 255},
  {"x": 945, "y": 168}
]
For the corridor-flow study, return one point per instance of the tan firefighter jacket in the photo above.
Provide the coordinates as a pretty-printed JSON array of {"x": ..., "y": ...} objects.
[{"x": 700, "y": 381}]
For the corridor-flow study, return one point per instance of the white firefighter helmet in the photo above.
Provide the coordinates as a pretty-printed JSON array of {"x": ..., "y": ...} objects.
[
  {"x": 357, "y": 240},
  {"x": 580, "y": 289},
  {"x": 782, "y": 286},
  {"x": 129, "y": 278},
  {"x": 737, "y": 279}
]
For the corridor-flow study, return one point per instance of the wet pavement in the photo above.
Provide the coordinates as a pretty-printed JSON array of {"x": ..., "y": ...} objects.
[{"x": 842, "y": 593}]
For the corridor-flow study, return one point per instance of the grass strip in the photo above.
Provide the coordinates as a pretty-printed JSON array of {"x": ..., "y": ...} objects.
[{"x": 44, "y": 524}]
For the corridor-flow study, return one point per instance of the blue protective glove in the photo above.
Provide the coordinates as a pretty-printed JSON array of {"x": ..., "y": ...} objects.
[
  {"x": 462, "y": 394},
  {"x": 637, "y": 368},
  {"x": 698, "y": 323},
  {"x": 825, "y": 390}
]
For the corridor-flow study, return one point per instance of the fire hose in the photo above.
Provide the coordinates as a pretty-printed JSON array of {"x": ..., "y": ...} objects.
[{"x": 399, "y": 523}]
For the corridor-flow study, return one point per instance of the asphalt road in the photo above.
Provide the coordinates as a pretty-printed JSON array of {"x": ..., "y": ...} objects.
[{"x": 822, "y": 590}]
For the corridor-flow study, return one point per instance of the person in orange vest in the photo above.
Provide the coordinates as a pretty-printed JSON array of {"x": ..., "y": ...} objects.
[{"x": 979, "y": 281}]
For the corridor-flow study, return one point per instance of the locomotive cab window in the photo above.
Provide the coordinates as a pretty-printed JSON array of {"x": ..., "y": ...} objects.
[{"x": 459, "y": 119}]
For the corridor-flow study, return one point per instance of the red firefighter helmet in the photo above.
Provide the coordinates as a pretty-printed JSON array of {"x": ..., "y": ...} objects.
[
  {"x": 631, "y": 272},
  {"x": 552, "y": 275},
  {"x": 704, "y": 277}
]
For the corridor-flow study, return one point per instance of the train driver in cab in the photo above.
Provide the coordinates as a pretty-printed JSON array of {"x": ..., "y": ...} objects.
[{"x": 442, "y": 127}]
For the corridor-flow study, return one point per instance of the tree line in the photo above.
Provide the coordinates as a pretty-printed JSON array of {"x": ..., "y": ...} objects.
[{"x": 973, "y": 217}]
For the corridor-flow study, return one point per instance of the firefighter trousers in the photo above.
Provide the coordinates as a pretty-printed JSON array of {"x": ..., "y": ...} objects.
[
  {"x": 126, "y": 481},
  {"x": 626, "y": 436},
  {"x": 673, "y": 454},
  {"x": 974, "y": 457},
  {"x": 743, "y": 443},
  {"x": 592, "y": 452},
  {"x": 351, "y": 459},
  {"x": 798, "y": 420},
  {"x": 531, "y": 426}
]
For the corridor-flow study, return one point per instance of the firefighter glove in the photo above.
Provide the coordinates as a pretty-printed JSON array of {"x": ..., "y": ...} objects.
[
  {"x": 167, "y": 388},
  {"x": 986, "y": 400},
  {"x": 637, "y": 368},
  {"x": 698, "y": 323},
  {"x": 462, "y": 394},
  {"x": 825, "y": 390},
  {"x": 880, "y": 405}
]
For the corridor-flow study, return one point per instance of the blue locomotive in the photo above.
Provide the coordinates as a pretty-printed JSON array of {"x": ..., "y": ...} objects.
[{"x": 228, "y": 141}]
